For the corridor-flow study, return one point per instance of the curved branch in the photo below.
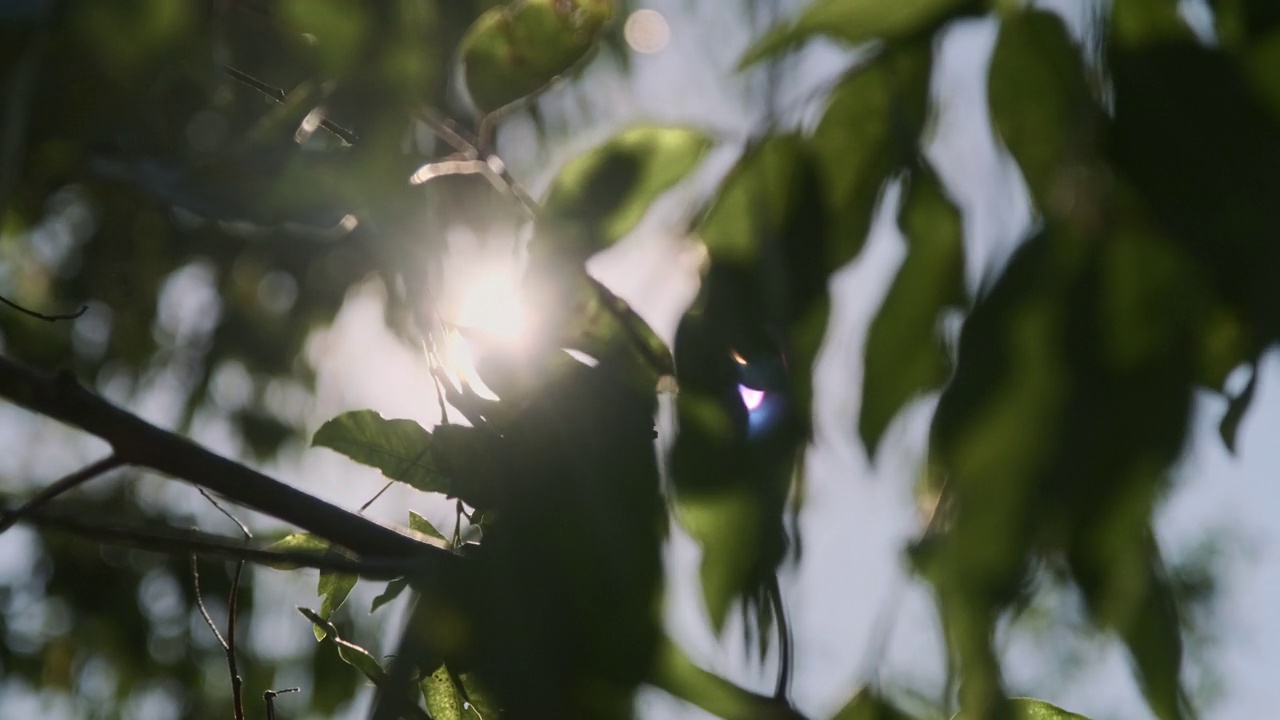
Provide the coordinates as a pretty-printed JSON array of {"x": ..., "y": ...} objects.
[
  {"x": 137, "y": 442},
  {"x": 74, "y": 480},
  {"x": 47, "y": 317}
]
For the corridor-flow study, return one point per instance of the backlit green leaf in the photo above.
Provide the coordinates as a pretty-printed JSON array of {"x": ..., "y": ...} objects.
[
  {"x": 904, "y": 356},
  {"x": 867, "y": 705},
  {"x": 352, "y": 654},
  {"x": 1029, "y": 709},
  {"x": 516, "y": 50},
  {"x": 855, "y": 22},
  {"x": 334, "y": 588},
  {"x": 422, "y": 525},
  {"x": 401, "y": 449}
]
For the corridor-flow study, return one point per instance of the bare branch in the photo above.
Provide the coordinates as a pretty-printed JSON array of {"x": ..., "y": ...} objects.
[
  {"x": 138, "y": 442},
  {"x": 67, "y": 483},
  {"x": 55, "y": 317},
  {"x": 279, "y": 96},
  {"x": 269, "y": 697},
  {"x": 204, "y": 612}
]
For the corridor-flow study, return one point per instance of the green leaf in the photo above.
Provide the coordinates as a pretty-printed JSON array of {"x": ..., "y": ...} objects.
[
  {"x": 871, "y": 128},
  {"x": 401, "y": 449},
  {"x": 867, "y": 705},
  {"x": 1042, "y": 106},
  {"x": 392, "y": 591},
  {"x": 904, "y": 357},
  {"x": 728, "y": 527},
  {"x": 352, "y": 654},
  {"x": 514, "y": 51},
  {"x": 298, "y": 542},
  {"x": 422, "y": 525},
  {"x": 1236, "y": 409},
  {"x": 334, "y": 588},
  {"x": 677, "y": 674},
  {"x": 856, "y": 22},
  {"x": 1029, "y": 709},
  {"x": 600, "y": 196}
]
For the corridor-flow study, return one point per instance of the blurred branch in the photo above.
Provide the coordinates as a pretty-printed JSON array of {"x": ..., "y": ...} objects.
[
  {"x": 279, "y": 96},
  {"x": 137, "y": 442},
  {"x": 675, "y": 673},
  {"x": 171, "y": 540},
  {"x": 269, "y": 698},
  {"x": 43, "y": 316},
  {"x": 67, "y": 483}
]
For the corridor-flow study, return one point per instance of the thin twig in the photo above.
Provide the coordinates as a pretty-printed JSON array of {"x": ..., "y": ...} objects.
[
  {"x": 279, "y": 95},
  {"x": 213, "y": 501},
  {"x": 47, "y": 317},
  {"x": 269, "y": 697},
  {"x": 67, "y": 483},
  {"x": 785, "y": 649},
  {"x": 237, "y": 682},
  {"x": 376, "y": 495},
  {"x": 204, "y": 612},
  {"x": 470, "y": 149},
  {"x": 172, "y": 540}
]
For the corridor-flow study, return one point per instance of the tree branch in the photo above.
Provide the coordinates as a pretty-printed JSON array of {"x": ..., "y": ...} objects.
[
  {"x": 74, "y": 480},
  {"x": 138, "y": 442},
  {"x": 54, "y": 317},
  {"x": 172, "y": 540}
]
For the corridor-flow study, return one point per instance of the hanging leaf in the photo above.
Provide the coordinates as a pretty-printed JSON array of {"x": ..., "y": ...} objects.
[
  {"x": 514, "y": 51},
  {"x": 599, "y": 196},
  {"x": 352, "y": 654},
  {"x": 1042, "y": 106},
  {"x": 334, "y": 588},
  {"x": 871, "y": 128},
  {"x": 401, "y": 449},
  {"x": 443, "y": 698},
  {"x": 856, "y": 22},
  {"x": 1236, "y": 408},
  {"x": 904, "y": 356},
  {"x": 392, "y": 591}
]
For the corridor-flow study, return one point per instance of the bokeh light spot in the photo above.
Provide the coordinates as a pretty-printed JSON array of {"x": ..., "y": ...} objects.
[{"x": 646, "y": 31}]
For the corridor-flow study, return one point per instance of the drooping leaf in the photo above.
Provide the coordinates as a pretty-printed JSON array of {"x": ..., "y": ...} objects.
[
  {"x": 352, "y": 654},
  {"x": 727, "y": 526},
  {"x": 401, "y": 449},
  {"x": 856, "y": 22},
  {"x": 334, "y": 588},
  {"x": 904, "y": 356},
  {"x": 599, "y": 196},
  {"x": 516, "y": 50},
  {"x": 391, "y": 592},
  {"x": 1042, "y": 106},
  {"x": 1236, "y": 408},
  {"x": 871, "y": 128}
]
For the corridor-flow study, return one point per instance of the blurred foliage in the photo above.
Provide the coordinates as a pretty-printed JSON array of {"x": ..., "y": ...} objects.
[{"x": 212, "y": 178}]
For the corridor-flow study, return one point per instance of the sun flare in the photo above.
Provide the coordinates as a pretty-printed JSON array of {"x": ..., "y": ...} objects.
[{"x": 488, "y": 315}]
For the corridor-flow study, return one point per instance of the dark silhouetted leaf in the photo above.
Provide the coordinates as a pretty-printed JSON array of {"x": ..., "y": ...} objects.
[
  {"x": 856, "y": 22},
  {"x": 904, "y": 356},
  {"x": 1236, "y": 408},
  {"x": 392, "y": 591},
  {"x": 516, "y": 50},
  {"x": 599, "y": 196},
  {"x": 401, "y": 449},
  {"x": 1042, "y": 106},
  {"x": 871, "y": 128}
]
